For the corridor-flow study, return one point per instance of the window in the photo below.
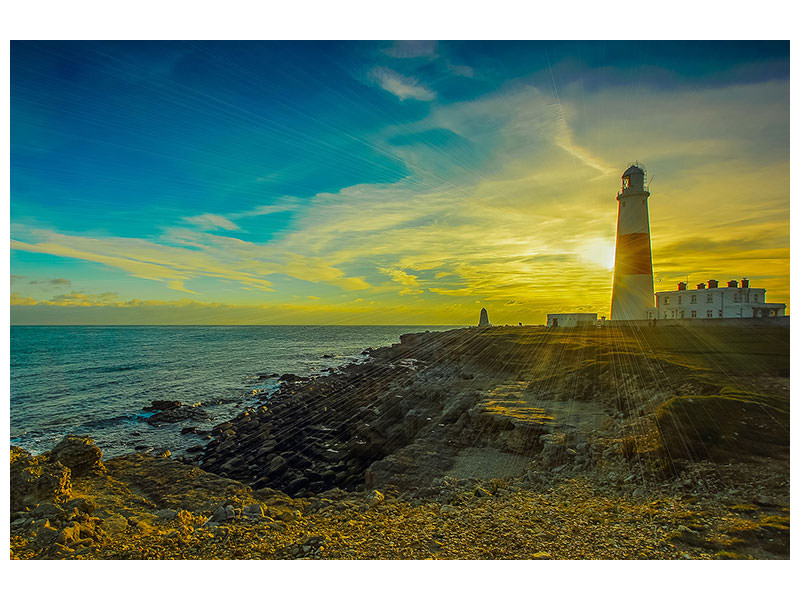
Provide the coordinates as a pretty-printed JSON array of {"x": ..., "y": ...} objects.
[
  {"x": 680, "y": 299},
  {"x": 709, "y": 298},
  {"x": 755, "y": 298},
  {"x": 694, "y": 313},
  {"x": 736, "y": 297},
  {"x": 694, "y": 299},
  {"x": 666, "y": 300},
  {"x": 710, "y": 314}
]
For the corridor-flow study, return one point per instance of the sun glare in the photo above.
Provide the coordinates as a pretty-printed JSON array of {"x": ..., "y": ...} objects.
[{"x": 599, "y": 252}]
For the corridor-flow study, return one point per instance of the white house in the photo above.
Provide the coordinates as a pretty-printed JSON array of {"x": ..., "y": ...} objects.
[
  {"x": 572, "y": 320},
  {"x": 714, "y": 302}
]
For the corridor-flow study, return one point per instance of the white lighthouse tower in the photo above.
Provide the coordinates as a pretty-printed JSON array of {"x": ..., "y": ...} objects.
[{"x": 632, "y": 292}]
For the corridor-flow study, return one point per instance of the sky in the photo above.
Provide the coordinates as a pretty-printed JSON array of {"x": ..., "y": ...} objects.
[{"x": 384, "y": 182}]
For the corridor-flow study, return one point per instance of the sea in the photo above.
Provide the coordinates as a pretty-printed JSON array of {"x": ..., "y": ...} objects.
[{"x": 99, "y": 380}]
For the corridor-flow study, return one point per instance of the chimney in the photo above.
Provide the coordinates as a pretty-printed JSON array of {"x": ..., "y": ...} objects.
[
  {"x": 713, "y": 283},
  {"x": 701, "y": 286},
  {"x": 682, "y": 286},
  {"x": 733, "y": 283},
  {"x": 745, "y": 283}
]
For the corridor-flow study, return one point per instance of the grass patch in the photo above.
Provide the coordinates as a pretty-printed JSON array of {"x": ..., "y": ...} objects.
[{"x": 724, "y": 427}]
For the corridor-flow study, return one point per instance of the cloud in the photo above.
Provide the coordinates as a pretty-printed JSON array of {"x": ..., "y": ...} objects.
[
  {"x": 210, "y": 222},
  {"x": 401, "y": 86},
  {"x": 142, "y": 258},
  {"x": 461, "y": 70},
  {"x": 52, "y": 282},
  {"x": 83, "y": 299},
  {"x": 412, "y": 49},
  {"x": 18, "y": 300},
  {"x": 400, "y": 276}
]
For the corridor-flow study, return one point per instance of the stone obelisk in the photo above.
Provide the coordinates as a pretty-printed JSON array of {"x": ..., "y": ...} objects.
[
  {"x": 484, "y": 320},
  {"x": 632, "y": 292}
]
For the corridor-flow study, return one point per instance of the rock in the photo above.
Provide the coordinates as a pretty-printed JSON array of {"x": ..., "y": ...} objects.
[
  {"x": 415, "y": 419},
  {"x": 33, "y": 479},
  {"x": 448, "y": 509},
  {"x": 69, "y": 535},
  {"x": 166, "y": 514},
  {"x": 223, "y": 513},
  {"x": 297, "y": 484},
  {"x": 480, "y": 492},
  {"x": 48, "y": 510},
  {"x": 764, "y": 501},
  {"x": 291, "y": 378},
  {"x": 163, "y": 405},
  {"x": 277, "y": 465},
  {"x": 80, "y": 454},
  {"x": 554, "y": 450},
  {"x": 374, "y": 498},
  {"x": 253, "y": 511},
  {"x": 47, "y": 534},
  {"x": 144, "y": 527},
  {"x": 179, "y": 413},
  {"x": 114, "y": 524},
  {"x": 459, "y": 406},
  {"x": 188, "y": 430},
  {"x": 84, "y": 505}
]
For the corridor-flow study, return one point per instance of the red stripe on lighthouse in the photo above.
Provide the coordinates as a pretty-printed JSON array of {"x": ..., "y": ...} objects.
[{"x": 633, "y": 255}]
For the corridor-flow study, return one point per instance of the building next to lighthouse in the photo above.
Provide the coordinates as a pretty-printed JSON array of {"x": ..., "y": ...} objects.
[
  {"x": 714, "y": 302},
  {"x": 632, "y": 292}
]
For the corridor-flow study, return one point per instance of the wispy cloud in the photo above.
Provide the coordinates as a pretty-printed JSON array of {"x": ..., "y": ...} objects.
[
  {"x": 52, "y": 282},
  {"x": 401, "y": 86},
  {"x": 412, "y": 49},
  {"x": 209, "y": 221},
  {"x": 408, "y": 281}
]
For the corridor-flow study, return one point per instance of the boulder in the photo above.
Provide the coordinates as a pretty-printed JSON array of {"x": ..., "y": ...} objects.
[
  {"x": 33, "y": 479},
  {"x": 163, "y": 405},
  {"x": 222, "y": 514},
  {"x": 114, "y": 524},
  {"x": 166, "y": 514},
  {"x": 83, "y": 505},
  {"x": 80, "y": 454},
  {"x": 50, "y": 511}
]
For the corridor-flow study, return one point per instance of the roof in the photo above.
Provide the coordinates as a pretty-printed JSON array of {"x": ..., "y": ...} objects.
[{"x": 633, "y": 169}]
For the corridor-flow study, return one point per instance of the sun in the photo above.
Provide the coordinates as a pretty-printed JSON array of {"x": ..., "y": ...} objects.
[{"x": 597, "y": 251}]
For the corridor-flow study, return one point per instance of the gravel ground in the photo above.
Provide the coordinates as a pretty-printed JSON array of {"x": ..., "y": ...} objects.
[{"x": 572, "y": 521}]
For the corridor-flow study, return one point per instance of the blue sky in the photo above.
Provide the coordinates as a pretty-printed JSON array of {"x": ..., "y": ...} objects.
[{"x": 383, "y": 181}]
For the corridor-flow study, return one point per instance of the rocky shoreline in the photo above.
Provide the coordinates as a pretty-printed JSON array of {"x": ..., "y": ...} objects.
[{"x": 472, "y": 443}]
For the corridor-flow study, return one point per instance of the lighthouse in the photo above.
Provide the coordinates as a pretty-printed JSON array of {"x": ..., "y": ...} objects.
[{"x": 632, "y": 293}]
